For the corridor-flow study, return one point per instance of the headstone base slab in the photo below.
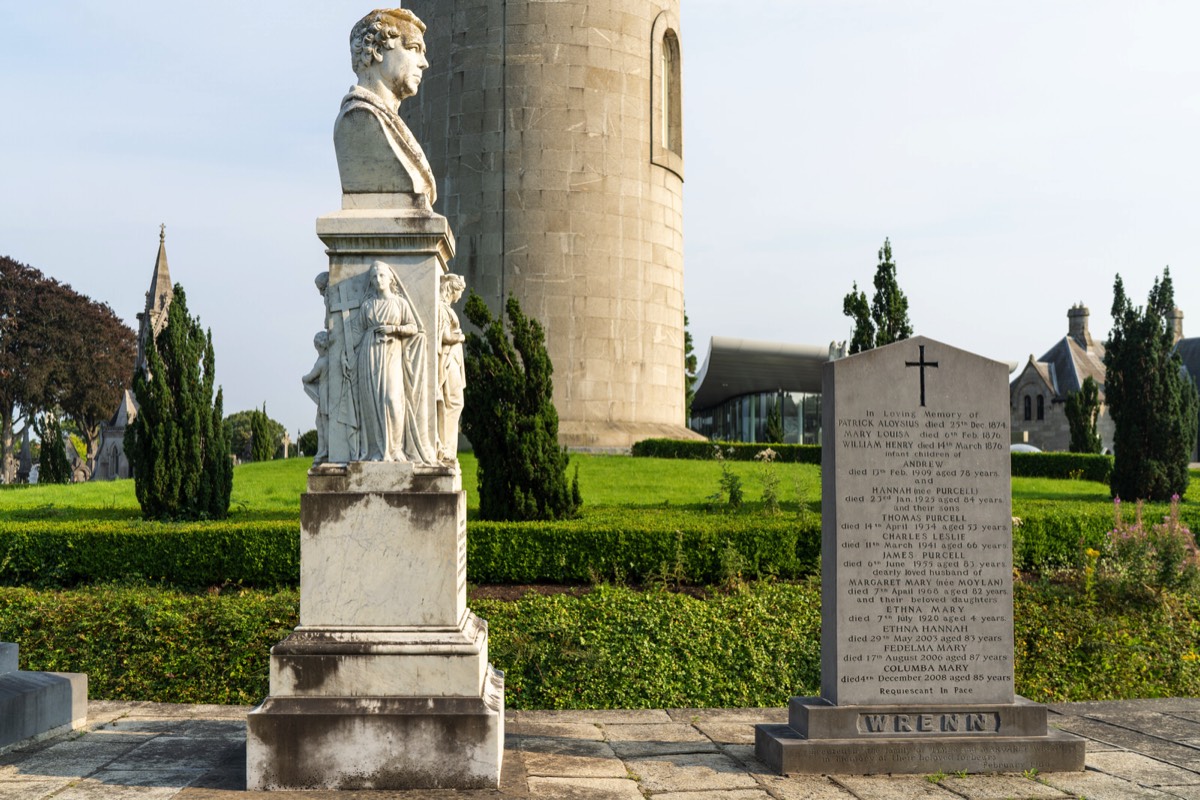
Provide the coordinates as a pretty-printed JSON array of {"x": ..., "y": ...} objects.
[
  {"x": 37, "y": 705},
  {"x": 822, "y": 738},
  {"x": 346, "y": 743}
]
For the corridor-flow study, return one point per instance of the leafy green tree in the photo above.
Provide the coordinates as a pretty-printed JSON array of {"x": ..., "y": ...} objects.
[
  {"x": 856, "y": 307},
  {"x": 775, "y": 422},
  {"x": 1152, "y": 402},
  {"x": 510, "y": 418},
  {"x": 262, "y": 443},
  {"x": 1083, "y": 410},
  {"x": 889, "y": 306},
  {"x": 689, "y": 367},
  {"x": 54, "y": 466},
  {"x": 885, "y": 320},
  {"x": 177, "y": 444},
  {"x": 239, "y": 429},
  {"x": 307, "y": 443}
]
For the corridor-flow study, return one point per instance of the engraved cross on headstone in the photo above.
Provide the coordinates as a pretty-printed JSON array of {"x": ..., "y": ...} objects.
[{"x": 922, "y": 363}]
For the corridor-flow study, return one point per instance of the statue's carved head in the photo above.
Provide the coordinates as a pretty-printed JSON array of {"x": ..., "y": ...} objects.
[
  {"x": 452, "y": 287},
  {"x": 382, "y": 29}
]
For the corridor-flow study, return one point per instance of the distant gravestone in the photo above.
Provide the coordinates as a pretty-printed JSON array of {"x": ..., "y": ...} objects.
[{"x": 917, "y": 632}]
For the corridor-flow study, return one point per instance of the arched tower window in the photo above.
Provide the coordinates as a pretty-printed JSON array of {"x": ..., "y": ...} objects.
[
  {"x": 666, "y": 94},
  {"x": 1041, "y": 407},
  {"x": 1028, "y": 407}
]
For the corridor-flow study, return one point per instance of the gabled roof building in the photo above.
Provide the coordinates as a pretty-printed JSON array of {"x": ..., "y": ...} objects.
[{"x": 1038, "y": 395}]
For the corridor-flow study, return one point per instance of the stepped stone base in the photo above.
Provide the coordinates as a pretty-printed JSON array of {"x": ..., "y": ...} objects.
[
  {"x": 377, "y": 742},
  {"x": 821, "y": 738},
  {"x": 37, "y": 705}
]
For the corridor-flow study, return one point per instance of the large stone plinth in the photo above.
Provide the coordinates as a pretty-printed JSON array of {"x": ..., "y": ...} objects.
[
  {"x": 385, "y": 684},
  {"x": 822, "y": 738}
]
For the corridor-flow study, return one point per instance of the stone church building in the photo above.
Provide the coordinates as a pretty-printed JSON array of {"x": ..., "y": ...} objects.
[
  {"x": 1038, "y": 395},
  {"x": 112, "y": 463}
]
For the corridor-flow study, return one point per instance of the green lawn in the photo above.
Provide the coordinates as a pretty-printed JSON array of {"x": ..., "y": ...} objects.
[{"x": 271, "y": 490}]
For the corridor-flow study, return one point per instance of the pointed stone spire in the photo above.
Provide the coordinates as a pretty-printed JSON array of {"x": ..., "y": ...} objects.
[{"x": 158, "y": 299}]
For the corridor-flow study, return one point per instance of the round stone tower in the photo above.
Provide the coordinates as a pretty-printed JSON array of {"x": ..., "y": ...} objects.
[{"x": 555, "y": 133}]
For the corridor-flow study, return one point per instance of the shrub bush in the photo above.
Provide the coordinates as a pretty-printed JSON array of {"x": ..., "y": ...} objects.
[
  {"x": 612, "y": 647},
  {"x": 734, "y": 451},
  {"x": 1077, "y": 466}
]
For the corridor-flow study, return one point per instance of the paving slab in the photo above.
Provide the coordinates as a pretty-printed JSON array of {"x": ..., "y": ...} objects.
[
  {"x": 690, "y": 772},
  {"x": 1001, "y": 787},
  {"x": 569, "y": 758},
  {"x": 561, "y": 730},
  {"x": 599, "y": 716},
  {"x": 727, "y": 794},
  {"x": 634, "y": 741},
  {"x": 121, "y": 784},
  {"x": 30, "y": 788},
  {"x": 894, "y": 787},
  {"x": 728, "y": 732},
  {"x": 74, "y": 758},
  {"x": 753, "y": 716},
  {"x": 1099, "y": 786},
  {"x": 803, "y": 787},
  {"x": 1141, "y": 769},
  {"x": 583, "y": 789}
]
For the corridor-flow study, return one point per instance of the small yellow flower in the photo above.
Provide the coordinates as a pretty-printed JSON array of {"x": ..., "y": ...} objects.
[
  {"x": 1091, "y": 553},
  {"x": 1191, "y": 657}
]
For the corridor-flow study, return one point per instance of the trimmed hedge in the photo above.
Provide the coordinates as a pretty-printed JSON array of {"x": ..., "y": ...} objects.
[
  {"x": 63, "y": 553},
  {"x": 1078, "y": 466},
  {"x": 611, "y": 648},
  {"x": 734, "y": 451},
  {"x": 622, "y": 545}
]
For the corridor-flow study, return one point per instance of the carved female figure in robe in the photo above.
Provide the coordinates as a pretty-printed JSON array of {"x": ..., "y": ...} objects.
[
  {"x": 389, "y": 354},
  {"x": 451, "y": 369}
]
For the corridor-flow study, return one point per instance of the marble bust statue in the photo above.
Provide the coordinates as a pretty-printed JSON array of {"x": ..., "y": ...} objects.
[{"x": 376, "y": 152}]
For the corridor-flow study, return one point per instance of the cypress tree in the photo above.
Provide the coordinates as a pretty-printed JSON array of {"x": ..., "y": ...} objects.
[
  {"x": 775, "y": 421},
  {"x": 1083, "y": 410},
  {"x": 177, "y": 445},
  {"x": 885, "y": 319},
  {"x": 1152, "y": 402},
  {"x": 262, "y": 446},
  {"x": 53, "y": 465},
  {"x": 510, "y": 418}
]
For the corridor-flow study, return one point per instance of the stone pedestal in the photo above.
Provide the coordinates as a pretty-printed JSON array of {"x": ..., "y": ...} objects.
[
  {"x": 386, "y": 683},
  {"x": 36, "y": 705}
]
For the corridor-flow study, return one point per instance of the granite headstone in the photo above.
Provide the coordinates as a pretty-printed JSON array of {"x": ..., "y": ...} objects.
[{"x": 917, "y": 630}]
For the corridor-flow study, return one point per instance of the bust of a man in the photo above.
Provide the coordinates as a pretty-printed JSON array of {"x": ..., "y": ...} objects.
[{"x": 376, "y": 152}]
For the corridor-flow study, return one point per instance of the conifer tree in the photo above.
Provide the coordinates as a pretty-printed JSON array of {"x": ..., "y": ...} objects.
[
  {"x": 885, "y": 319},
  {"x": 177, "y": 445},
  {"x": 53, "y": 465},
  {"x": 689, "y": 368},
  {"x": 889, "y": 306},
  {"x": 262, "y": 448},
  {"x": 775, "y": 422},
  {"x": 510, "y": 418},
  {"x": 1152, "y": 402},
  {"x": 1083, "y": 411}
]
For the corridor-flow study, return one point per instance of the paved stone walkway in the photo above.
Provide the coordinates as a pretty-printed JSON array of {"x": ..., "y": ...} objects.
[{"x": 151, "y": 751}]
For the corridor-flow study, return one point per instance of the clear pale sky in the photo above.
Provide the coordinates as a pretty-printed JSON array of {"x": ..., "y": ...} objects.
[{"x": 1018, "y": 155}]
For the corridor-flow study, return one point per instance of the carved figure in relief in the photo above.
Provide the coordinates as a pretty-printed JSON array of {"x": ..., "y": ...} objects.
[
  {"x": 316, "y": 386},
  {"x": 376, "y": 152},
  {"x": 389, "y": 359},
  {"x": 452, "y": 372}
]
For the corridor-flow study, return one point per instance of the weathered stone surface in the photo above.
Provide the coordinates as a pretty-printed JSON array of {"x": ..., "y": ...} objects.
[
  {"x": 813, "y": 718},
  {"x": 558, "y": 730},
  {"x": 632, "y": 741},
  {"x": 722, "y": 794},
  {"x": 8, "y": 657},
  {"x": 878, "y": 787},
  {"x": 1001, "y": 787},
  {"x": 584, "y": 789},
  {"x": 376, "y": 743},
  {"x": 804, "y": 787},
  {"x": 1144, "y": 769},
  {"x": 581, "y": 758},
  {"x": 690, "y": 772},
  {"x": 1095, "y": 785},
  {"x": 728, "y": 732}
]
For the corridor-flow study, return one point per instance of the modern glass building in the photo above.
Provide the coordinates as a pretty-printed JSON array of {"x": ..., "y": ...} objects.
[{"x": 742, "y": 380}]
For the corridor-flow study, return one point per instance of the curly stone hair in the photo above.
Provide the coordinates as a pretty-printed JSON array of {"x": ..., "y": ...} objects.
[{"x": 378, "y": 31}]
